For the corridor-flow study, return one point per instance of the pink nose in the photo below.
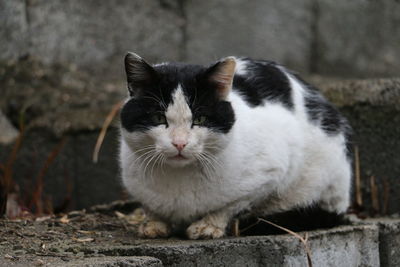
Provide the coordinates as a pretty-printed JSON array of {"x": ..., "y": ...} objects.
[{"x": 179, "y": 145}]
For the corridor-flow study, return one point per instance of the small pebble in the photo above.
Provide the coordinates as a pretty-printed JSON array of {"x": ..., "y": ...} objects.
[{"x": 39, "y": 262}]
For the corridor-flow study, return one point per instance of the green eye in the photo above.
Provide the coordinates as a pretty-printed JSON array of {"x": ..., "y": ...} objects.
[
  {"x": 159, "y": 119},
  {"x": 200, "y": 120}
]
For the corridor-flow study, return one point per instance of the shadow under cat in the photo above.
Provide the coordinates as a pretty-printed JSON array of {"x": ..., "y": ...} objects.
[{"x": 298, "y": 220}]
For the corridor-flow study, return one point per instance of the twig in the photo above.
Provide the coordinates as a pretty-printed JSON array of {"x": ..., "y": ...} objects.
[
  {"x": 303, "y": 240},
  {"x": 6, "y": 179},
  {"x": 249, "y": 227},
  {"x": 235, "y": 228},
  {"x": 37, "y": 194},
  {"x": 357, "y": 174},
  {"x": 104, "y": 128}
]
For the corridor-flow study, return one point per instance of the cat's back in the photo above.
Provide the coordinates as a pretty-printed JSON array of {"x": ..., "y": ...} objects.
[
  {"x": 263, "y": 83},
  {"x": 258, "y": 81}
]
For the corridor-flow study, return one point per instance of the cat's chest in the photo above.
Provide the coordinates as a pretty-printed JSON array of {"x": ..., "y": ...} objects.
[{"x": 185, "y": 198}]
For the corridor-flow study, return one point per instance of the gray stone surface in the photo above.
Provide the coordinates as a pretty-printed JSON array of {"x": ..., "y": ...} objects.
[
  {"x": 371, "y": 242},
  {"x": 91, "y": 35},
  {"x": 84, "y": 262},
  {"x": 277, "y": 30},
  {"x": 58, "y": 98},
  {"x": 8, "y": 133},
  {"x": 13, "y": 29},
  {"x": 375, "y": 92},
  {"x": 116, "y": 262},
  {"x": 358, "y": 38},
  {"x": 342, "y": 246},
  {"x": 389, "y": 242}
]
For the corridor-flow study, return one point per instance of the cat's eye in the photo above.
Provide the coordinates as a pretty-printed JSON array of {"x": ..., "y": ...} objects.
[
  {"x": 200, "y": 120},
  {"x": 159, "y": 119}
]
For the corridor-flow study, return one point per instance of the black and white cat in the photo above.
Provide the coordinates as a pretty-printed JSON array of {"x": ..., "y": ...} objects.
[{"x": 200, "y": 145}]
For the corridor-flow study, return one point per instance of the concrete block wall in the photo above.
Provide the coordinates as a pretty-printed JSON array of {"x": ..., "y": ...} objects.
[
  {"x": 341, "y": 38},
  {"x": 357, "y": 38},
  {"x": 91, "y": 35},
  {"x": 276, "y": 30}
]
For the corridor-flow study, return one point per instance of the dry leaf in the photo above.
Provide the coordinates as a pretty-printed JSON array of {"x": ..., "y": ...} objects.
[
  {"x": 39, "y": 262},
  {"x": 86, "y": 232},
  {"x": 119, "y": 214},
  {"x": 64, "y": 219},
  {"x": 136, "y": 217},
  {"x": 42, "y": 219}
]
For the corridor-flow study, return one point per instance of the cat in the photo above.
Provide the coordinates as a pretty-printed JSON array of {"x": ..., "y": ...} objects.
[{"x": 201, "y": 145}]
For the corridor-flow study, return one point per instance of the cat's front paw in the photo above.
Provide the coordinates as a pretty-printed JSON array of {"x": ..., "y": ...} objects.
[
  {"x": 204, "y": 229},
  {"x": 154, "y": 229}
]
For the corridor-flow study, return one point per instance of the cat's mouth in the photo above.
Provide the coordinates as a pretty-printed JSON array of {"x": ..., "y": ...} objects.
[
  {"x": 178, "y": 157},
  {"x": 179, "y": 160}
]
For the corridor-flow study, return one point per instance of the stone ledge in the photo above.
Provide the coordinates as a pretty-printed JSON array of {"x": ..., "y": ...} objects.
[
  {"x": 372, "y": 243},
  {"x": 102, "y": 237},
  {"x": 341, "y": 246},
  {"x": 376, "y": 92}
]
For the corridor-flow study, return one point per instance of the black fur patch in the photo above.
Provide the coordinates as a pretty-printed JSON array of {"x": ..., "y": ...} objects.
[
  {"x": 200, "y": 93},
  {"x": 154, "y": 97},
  {"x": 263, "y": 81},
  {"x": 321, "y": 112}
]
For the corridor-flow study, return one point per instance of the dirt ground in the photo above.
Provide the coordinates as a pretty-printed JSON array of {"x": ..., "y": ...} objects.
[{"x": 50, "y": 240}]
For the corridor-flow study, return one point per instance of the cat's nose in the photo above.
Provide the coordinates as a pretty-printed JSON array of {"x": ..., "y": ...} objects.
[{"x": 179, "y": 145}]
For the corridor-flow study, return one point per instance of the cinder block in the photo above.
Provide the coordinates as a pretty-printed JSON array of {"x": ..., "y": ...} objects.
[
  {"x": 276, "y": 30},
  {"x": 97, "y": 35},
  {"x": 13, "y": 29},
  {"x": 358, "y": 38},
  {"x": 389, "y": 242},
  {"x": 342, "y": 246}
]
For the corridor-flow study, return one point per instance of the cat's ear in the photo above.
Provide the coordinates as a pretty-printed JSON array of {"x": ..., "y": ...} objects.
[
  {"x": 139, "y": 74},
  {"x": 221, "y": 74}
]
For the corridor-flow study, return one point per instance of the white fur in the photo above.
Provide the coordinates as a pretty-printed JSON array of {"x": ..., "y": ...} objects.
[
  {"x": 273, "y": 159},
  {"x": 240, "y": 68}
]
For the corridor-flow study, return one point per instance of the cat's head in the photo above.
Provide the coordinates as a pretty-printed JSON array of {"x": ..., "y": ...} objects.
[{"x": 176, "y": 113}]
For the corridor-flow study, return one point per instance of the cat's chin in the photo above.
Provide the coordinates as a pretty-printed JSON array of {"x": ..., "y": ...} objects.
[{"x": 179, "y": 161}]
